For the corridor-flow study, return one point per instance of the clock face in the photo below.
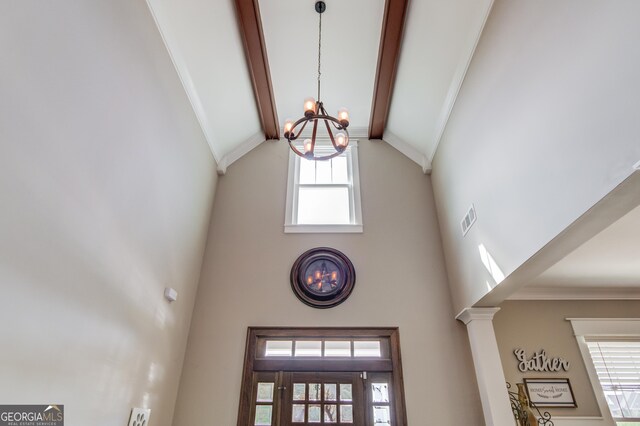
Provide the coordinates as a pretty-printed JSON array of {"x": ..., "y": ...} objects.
[{"x": 322, "y": 277}]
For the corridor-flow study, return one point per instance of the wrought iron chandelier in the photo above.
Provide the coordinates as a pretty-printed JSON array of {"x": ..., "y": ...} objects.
[{"x": 314, "y": 112}]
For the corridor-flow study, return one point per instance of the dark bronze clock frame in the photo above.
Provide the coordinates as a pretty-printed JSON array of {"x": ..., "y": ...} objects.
[{"x": 323, "y": 277}]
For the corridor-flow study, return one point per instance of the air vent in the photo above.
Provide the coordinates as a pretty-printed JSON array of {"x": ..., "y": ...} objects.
[{"x": 468, "y": 220}]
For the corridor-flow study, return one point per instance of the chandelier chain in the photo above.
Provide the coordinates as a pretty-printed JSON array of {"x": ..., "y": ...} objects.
[{"x": 319, "y": 51}]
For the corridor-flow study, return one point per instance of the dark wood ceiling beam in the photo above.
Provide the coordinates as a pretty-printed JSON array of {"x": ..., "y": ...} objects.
[
  {"x": 389, "y": 53},
  {"x": 250, "y": 25}
]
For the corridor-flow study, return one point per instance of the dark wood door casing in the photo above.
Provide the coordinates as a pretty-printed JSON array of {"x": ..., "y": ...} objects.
[{"x": 279, "y": 368}]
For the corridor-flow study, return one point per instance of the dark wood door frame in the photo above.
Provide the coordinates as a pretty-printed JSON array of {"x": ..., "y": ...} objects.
[{"x": 254, "y": 363}]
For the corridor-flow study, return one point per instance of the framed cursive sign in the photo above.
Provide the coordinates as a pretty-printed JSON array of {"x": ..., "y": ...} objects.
[{"x": 550, "y": 392}]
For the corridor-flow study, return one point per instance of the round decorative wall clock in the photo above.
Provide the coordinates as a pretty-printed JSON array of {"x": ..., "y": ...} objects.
[{"x": 323, "y": 277}]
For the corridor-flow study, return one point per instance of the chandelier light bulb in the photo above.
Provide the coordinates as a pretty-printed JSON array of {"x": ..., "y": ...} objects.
[
  {"x": 343, "y": 116},
  {"x": 342, "y": 140},
  {"x": 288, "y": 125},
  {"x": 309, "y": 106},
  {"x": 307, "y": 146}
]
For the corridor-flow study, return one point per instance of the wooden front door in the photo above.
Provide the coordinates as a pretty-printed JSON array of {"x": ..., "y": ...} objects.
[{"x": 322, "y": 398}]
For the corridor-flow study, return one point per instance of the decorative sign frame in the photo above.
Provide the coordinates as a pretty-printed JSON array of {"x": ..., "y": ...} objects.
[{"x": 550, "y": 392}]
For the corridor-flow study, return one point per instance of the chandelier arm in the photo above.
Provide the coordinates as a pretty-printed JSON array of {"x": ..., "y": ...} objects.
[
  {"x": 314, "y": 158},
  {"x": 304, "y": 120},
  {"x": 313, "y": 137},
  {"x": 321, "y": 109},
  {"x": 338, "y": 126},
  {"x": 326, "y": 157},
  {"x": 294, "y": 149},
  {"x": 333, "y": 141}
]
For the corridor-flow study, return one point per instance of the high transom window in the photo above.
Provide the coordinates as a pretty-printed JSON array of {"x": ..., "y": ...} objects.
[{"x": 324, "y": 196}]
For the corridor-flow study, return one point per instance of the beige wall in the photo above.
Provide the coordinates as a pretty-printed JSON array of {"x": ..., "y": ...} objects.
[
  {"x": 106, "y": 184},
  {"x": 535, "y": 325},
  {"x": 401, "y": 281},
  {"x": 544, "y": 127}
]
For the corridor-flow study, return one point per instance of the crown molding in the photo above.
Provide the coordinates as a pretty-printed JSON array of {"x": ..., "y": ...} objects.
[
  {"x": 456, "y": 82},
  {"x": 408, "y": 150},
  {"x": 637, "y": 166},
  {"x": 565, "y": 293},
  {"x": 236, "y": 153},
  {"x": 470, "y": 314}
]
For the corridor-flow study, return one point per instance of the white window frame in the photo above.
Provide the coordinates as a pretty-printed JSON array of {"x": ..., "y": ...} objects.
[
  {"x": 355, "y": 206},
  {"x": 594, "y": 328}
]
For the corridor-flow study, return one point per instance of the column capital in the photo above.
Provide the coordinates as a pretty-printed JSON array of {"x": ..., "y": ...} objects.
[{"x": 470, "y": 314}]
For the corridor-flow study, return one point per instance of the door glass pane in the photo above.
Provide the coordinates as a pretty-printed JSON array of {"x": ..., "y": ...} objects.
[
  {"x": 346, "y": 414},
  {"x": 298, "y": 413},
  {"x": 381, "y": 416},
  {"x": 367, "y": 348},
  {"x": 298, "y": 391},
  {"x": 265, "y": 392},
  {"x": 329, "y": 392},
  {"x": 314, "y": 391},
  {"x": 314, "y": 413},
  {"x": 338, "y": 348},
  {"x": 263, "y": 415},
  {"x": 345, "y": 393},
  {"x": 330, "y": 413},
  {"x": 380, "y": 392},
  {"x": 308, "y": 348}
]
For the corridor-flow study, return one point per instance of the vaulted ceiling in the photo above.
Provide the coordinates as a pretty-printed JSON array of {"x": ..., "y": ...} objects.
[{"x": 247, "y": 65}]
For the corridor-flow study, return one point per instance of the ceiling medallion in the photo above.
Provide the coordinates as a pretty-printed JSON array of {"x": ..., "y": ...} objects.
[
  {"x": 314, "y": 112},
  {"x": 323, "y": 277}
]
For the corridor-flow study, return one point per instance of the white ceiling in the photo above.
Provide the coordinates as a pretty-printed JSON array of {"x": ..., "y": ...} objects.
[
  {"x": 205, "y": 45},
  {"x": 204, "y": 42},
  {"x": 350, "y": 40},
  {"x": 607, "y": 263},
  {"x": 439, "y": 40}
]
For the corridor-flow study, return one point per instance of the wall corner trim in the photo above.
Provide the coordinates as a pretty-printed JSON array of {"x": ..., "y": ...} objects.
[
  {"x": 237, "y": 153},
  {"x": 470, "y": 314},
  {"x": 409, "y": 151}
]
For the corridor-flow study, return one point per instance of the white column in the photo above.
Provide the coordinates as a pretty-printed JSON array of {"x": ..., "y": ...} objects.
[{"x": 486, "y": 359}]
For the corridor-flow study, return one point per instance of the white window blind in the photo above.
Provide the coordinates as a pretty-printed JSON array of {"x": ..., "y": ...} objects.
[{"x": 618, "y": 366}]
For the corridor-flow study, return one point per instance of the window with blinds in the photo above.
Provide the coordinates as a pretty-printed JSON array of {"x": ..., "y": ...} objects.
[{"x": 618, "y": 366}]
